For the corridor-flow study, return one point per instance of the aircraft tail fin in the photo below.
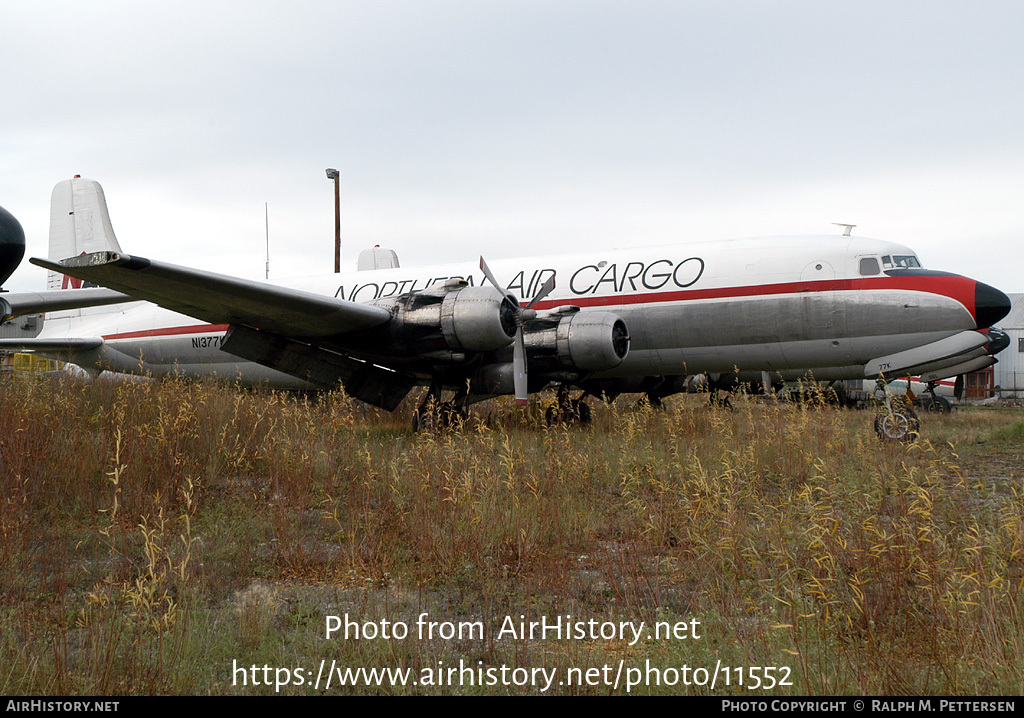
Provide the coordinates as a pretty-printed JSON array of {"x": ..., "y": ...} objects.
[{"x": 79, "y": 224}]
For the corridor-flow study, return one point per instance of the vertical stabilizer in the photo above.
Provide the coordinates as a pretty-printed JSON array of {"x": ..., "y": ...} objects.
[{"x": 79, "y": 224}]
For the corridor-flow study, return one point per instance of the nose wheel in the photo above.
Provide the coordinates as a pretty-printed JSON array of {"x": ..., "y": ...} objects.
[
  {"x": 901, "y": 424},
  {"x": 897, "y": 420}
]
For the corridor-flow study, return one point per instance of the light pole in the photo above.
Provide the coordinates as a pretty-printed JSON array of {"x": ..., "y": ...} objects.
[{"x": 333, "y": 174}]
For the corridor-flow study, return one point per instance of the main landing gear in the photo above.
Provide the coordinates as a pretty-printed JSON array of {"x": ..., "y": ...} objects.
[
  {"x": 719, "y": 391},
  {"x": 651, "y": 399},
  {"x": 931, "y": 402},
  {"x": 568, "y": 411},
  {"x": 434, "y": 414},
  {"x": 896, "y": 421}
]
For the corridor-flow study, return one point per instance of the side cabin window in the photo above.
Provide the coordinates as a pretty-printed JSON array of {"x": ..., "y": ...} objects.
[{"x": 869, "y": 266}]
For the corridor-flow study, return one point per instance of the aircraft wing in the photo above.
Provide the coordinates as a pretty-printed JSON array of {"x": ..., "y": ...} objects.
[
  {"x": 16, "y": 304},
  {"x": 220, "y": 299}
]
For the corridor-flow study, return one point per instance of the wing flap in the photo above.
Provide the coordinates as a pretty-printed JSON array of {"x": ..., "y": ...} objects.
[
  {"x": 367, "y": 382},
  {"x": 221, "y": 299},
  {"x": 62, "y": 345}
]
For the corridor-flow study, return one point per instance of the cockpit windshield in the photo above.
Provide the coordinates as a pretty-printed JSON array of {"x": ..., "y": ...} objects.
[{"x": 900, "y": 261}]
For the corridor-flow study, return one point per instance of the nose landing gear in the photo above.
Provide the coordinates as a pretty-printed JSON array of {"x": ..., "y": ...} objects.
[{"x": 896, "y": 421}]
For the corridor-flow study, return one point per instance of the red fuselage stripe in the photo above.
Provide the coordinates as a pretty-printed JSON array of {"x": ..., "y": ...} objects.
[
  {"x": 955, "y": 287},
  {"x": 169, "y": 331}
]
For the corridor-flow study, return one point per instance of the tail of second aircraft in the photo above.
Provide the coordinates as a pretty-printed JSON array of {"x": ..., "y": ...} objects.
[{"x": 79, "y": 224}]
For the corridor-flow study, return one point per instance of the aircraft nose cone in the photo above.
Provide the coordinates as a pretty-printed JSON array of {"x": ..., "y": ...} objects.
[
  {"x": 990, "y": 305},
  {"x": 998, "y": 340},
  {"x": 12, "y": 244}
]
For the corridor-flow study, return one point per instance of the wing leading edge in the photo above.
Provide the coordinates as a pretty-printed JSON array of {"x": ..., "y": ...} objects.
[
  {"x": 220, "y": 299},
  {"x": 275, "y": 326}
]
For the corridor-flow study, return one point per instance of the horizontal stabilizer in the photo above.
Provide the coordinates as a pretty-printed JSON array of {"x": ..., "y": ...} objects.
[
  {"x": 220, "y": 299},
  {"x": 54, "y": 300}
]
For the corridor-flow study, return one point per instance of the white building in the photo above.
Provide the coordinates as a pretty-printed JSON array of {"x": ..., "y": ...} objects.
[
  {"x": 1009, "y": 372},
  {"x": 22, "y": 327}
]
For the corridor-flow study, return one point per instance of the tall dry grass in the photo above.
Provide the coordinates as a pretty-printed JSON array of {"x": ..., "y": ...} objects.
[{"x": 153, "y": 532}]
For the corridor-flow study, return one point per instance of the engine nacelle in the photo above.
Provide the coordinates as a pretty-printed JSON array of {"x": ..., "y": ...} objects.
[
  {"x": 564, "y": 344},
  {"x": 579, "y": 343},
  {"x": 445, "y": 323},
  {"x": 477, "y": 319}
]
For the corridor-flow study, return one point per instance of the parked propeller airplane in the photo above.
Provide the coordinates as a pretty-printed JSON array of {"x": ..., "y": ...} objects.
[{"x": 606, "y": 321}]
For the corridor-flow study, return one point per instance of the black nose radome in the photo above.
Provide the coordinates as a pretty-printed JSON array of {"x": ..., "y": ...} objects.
[
  {"x": 990, "y": 305},
  {"x": 12, "y": 244}
]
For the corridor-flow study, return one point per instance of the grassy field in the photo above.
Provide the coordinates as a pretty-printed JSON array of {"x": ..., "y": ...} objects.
[{"x": 157, "y": 536}]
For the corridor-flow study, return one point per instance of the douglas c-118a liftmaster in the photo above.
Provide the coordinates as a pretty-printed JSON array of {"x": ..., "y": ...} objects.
[{"x": 604, "y": 321}]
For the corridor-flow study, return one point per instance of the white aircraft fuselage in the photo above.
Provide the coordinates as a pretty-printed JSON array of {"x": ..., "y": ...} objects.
[{"x": 787, "y": 305}]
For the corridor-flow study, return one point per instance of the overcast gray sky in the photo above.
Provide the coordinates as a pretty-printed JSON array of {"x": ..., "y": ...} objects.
[{"x": 510, "y": 128}]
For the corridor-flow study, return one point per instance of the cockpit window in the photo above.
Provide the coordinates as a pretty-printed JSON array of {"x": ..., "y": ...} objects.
[
  {"x": 887, "y": 261},
  {"x": 869, "y": 266},
  {"x": 906, "y": 261}
]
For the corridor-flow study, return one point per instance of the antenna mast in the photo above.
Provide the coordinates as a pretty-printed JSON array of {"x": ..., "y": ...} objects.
[{"x": 266, "y": 217}]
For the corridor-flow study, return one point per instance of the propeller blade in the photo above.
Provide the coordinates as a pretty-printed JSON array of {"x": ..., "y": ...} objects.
[
  {"x": 545, "y": 290},
  {"x": 519, "y": 348},
  {"x": 519, "y": 368},
  {"x": 490, "y": 277}
]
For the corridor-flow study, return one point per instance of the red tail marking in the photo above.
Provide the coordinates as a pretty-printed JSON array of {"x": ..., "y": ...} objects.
[{"x": 73, "y": 281}]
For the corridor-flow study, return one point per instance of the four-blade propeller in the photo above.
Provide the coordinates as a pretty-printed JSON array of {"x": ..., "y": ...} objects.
[{"x": 522, "y": 315}]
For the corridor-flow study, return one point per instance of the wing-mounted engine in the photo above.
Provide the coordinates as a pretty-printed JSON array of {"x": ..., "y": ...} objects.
[
  {"x": 446, "y": 323},
  {"x": 562, "y": 344},
  {"x": 566, "y": 344}
]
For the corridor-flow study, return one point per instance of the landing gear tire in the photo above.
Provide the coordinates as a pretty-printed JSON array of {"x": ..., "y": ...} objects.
[
  {"x": 576, "y": 411},
  {"x": 719, "y": 401},
  {"x": 901, "y": 424},
  {"x": 651, "y": 400},
  {"x": 935, "y": 404},
  {"x": 432, "y": 417}
]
